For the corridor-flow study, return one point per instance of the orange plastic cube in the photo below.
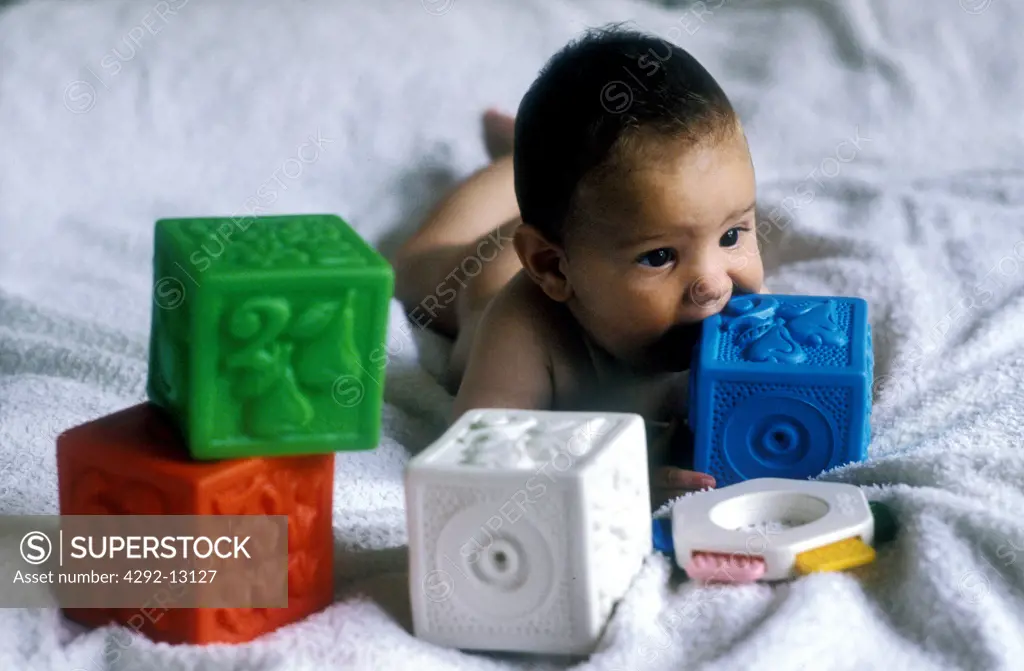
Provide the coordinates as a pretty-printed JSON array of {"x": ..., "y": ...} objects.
[{"x": 134, "y": 462}]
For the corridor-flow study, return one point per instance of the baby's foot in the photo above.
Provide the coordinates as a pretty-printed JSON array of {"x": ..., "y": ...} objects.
[{"x": 498, "y": 131}]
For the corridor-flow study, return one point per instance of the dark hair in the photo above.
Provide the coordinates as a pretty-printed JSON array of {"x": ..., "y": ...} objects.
[{"x": 589, "y": 97}]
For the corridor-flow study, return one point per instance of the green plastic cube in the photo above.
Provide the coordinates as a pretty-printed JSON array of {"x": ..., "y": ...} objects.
[{"x": 268, "y": 334}]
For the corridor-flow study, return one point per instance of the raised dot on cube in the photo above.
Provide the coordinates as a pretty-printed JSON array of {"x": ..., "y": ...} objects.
[
  {"x": 780, "y": 386},
  {"x": 526, "y": 527},
  {"x": 268, "y": 334},
  {"x": 134, "y": 462}
]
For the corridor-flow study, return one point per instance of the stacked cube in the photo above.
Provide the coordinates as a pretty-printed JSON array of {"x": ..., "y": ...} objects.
[{"x": 265, "y": 359}]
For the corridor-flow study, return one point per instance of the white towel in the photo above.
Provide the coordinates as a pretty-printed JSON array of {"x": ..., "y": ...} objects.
[{"x": 891, "y": 135}]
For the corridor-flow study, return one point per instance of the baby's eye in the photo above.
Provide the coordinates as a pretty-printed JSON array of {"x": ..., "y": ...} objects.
[
  {"x": 657, "y": 258},
  {"x": 731, "y": 237}
]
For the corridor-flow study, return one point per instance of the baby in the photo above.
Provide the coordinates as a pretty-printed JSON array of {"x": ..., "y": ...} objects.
[{"x": 575, "y": 272}]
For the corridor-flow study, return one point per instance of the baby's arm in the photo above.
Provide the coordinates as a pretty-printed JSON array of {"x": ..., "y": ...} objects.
[{"x": 509, "y": 363}]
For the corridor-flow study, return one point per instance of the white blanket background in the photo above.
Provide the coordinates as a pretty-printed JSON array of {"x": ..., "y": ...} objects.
[{"x": 888, "y": 142}]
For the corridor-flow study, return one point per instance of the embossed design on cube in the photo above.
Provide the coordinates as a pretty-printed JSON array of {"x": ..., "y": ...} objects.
[
  {"x": 97, "y": 493},
  {"x": 285, "y": 358},
  {"x": 498, "y": 574},
  {"x": 780, "y": 386},
  {"x": 268, "y": 334},
  {"x": 134, "y": 462},
  {"x": 616, "y": 499},
  {"x": 526, "y": 527},
  {"x": 498, "y": 441},
  {"x": 799, "y": 435},
  {"x": 297, "y": 242},
  {"x": 764, "y": 329}
]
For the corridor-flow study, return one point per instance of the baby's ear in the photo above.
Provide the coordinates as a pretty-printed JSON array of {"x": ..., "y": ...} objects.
[{"x": 542, "y": 260}]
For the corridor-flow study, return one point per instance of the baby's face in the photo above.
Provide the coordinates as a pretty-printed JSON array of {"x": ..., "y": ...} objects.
[{"x": 662, "y": 248}]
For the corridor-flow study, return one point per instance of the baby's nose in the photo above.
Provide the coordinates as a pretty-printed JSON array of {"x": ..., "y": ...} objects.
[{"x": 709, "y": 293}]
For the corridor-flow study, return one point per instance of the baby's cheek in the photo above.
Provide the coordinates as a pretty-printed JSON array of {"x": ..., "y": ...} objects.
[
  {"x": 644, "y": 315},
  {"x": 747, "y": 272}
]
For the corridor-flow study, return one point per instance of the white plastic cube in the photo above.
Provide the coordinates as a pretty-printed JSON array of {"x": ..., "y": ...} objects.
[{"x": 526, "y": 527}]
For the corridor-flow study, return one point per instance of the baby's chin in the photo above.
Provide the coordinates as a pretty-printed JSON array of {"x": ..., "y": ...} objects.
[{"x": 674, "y": 350}]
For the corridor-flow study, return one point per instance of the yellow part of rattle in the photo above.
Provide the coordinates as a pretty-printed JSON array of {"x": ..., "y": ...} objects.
[{"x": 837, "y": 556}]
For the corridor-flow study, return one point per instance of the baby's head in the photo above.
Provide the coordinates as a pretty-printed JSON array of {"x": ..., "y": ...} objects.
[{"x": 637, "y": 192}]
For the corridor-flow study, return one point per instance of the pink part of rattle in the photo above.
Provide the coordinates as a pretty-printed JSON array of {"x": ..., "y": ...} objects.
[{"x": 724, "y": 568}]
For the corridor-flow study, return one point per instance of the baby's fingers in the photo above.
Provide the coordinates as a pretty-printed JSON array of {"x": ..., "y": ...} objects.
[{"x": 670, "y": 477}]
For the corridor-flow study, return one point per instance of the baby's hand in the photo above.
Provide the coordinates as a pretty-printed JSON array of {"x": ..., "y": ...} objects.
[{"x": 668, "y": 482}]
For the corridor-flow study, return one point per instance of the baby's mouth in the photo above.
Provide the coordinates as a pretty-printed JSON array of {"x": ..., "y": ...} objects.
[{"x": 674, "y": 350}]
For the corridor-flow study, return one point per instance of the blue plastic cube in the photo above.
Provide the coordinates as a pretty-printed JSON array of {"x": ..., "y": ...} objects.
[{"x": 780, "y": 387}]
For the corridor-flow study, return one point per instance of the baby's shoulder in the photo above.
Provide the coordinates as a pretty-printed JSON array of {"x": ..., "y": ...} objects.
[
  {"x": 580, "y": 377},
  {"x": 550, "y": 323}
]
